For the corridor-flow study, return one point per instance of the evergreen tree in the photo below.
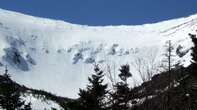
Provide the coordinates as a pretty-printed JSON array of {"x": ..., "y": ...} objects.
[
  {"x": 93, "y": 98},
  {"x": 169, "y": 56},
  {"x": 125, "y": 73},
  {"x": 169, "y": 59},
  {"x": 10, "y": 94},
  {"x": 192, "y": 90},
  {"x": 120, "y": 97},
  {"x": 194, "y": 53}
]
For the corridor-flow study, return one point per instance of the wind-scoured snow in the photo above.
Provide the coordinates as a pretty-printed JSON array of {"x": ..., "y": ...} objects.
[{"x": 58, "y": 56}]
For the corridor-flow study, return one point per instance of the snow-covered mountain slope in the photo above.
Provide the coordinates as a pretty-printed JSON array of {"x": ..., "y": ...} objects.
[
  {"x": 57, "y": 56},
  {"x": 40, "y": 103}
]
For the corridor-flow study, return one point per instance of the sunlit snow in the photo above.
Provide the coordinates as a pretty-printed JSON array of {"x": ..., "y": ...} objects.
[{"x": 58, "y": 56}]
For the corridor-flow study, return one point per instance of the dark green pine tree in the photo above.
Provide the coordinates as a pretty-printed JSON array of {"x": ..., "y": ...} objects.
[
  {"x": 190, "y": 83},
  {"x": 93, "y": 98},
  {"x": 125, "y": 73},
  {"x": 194, "y": 54},
  {"x": 10, "y": 94},
  {"x": 120, "y": 97}
]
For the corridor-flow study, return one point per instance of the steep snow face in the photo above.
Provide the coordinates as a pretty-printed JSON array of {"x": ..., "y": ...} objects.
[{"x": 57, "y": 56}]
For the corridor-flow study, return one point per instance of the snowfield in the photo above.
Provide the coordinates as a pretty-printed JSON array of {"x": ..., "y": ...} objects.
[
  {"x": 58, "y": 56},
  {"x": 38, "y": 103}
]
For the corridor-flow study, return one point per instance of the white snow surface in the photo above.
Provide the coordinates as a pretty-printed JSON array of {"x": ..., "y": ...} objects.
[
  {"x": 58, "y": 56},
  {"x": 40, "y": 103}
]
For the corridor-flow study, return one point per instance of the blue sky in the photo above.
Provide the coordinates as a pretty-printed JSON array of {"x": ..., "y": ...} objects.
[{"x": 104, "y": 12}]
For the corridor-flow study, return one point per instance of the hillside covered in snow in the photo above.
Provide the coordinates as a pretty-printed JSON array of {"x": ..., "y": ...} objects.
[{"x": 58, "y": 56}]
